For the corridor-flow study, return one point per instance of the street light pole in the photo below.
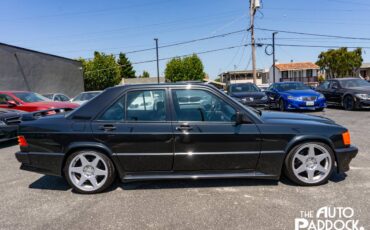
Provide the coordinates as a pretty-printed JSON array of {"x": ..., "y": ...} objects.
[
  {"x": 273, "y": 55},
  {"x": 156, "y": 48}
]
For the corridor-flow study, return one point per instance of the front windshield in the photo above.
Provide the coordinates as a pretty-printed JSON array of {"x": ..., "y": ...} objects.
[
  {"x": 291, "y": 86},
  {"x": 30, "y": 97},
  {"x": 240, "y": 88},
  {"x": 353, "y": 83},
  {"x": 50, "y": 96}
]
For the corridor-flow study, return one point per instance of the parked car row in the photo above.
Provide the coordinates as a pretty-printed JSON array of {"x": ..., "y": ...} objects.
[
  {"x": 16, "y": 104},
  {"x": 350, "y": 93}
]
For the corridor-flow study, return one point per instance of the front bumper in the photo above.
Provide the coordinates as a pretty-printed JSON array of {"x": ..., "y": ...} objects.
[
  {"x": 303, "y": 105},
  {"x": 255, "y": 103},
  {"x": 344, "y": 157},
  {"x": 8, "y": 132},
  {"x": 45, "y": 163},
  {"x": 364, "y": 104}
]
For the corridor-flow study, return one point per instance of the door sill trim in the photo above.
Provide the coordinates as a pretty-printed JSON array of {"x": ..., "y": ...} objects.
[{"x": 132, "y": 176}]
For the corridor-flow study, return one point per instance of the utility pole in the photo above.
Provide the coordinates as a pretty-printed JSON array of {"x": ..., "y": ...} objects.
[
  {"x": 273, "y": 55},
  {"x": 156, "y": 48},
  {"x": 253, "y": 5}
]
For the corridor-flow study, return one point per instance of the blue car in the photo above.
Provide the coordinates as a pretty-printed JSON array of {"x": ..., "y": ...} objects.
[{"x": 294, "y": 96}]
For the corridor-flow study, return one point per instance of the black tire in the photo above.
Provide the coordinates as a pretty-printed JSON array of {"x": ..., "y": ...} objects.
[
  {"x": 110, "y": 171},
  {"x": 320, "y": 109},
  {"x": 281, "y": 105},
  {"x": 349, "y": 103},
  {"x": 288, "y": 165}
]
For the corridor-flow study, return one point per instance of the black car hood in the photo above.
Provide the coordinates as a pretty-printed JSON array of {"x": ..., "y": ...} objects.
[
  {"x": 6, "y": 113},
  {"x": 248, "y": 94},
  {"x": 362, "y": 89},
  {"x": 284, "y": 117}
]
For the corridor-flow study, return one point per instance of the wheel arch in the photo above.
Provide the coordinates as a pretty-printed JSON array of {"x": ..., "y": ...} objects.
[
  {"x": 304, "y": 139},
  {"x": 77, "y": 146}
]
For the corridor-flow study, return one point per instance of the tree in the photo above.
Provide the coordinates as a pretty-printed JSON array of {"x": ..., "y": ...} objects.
[
  {"x": 127, "y": 70},
  {"x": 185, "y": 69},
  {"x": 340, "y": 62},
  {"x": 100, "y": 72},
  {"x": 145, "y": 74}
]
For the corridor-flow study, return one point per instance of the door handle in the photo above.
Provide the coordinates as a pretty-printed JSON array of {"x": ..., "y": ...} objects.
[
  {"x": 184, "y": 127},
  {"x": 107, "y": 127}
]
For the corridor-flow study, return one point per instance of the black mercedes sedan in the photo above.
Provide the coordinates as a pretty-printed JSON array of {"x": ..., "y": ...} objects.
[
  {"x": 9, "y": 121},
  {"x": 351, "y": 93},
  {"x": 248, "y": 94},
  {"x": 150, "y": 132}
]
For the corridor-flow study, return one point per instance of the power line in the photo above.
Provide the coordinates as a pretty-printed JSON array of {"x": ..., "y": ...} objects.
[
  {"x": 316, "y": 46},
  {"x": 183, "y": 42},
  {"x": 312, "y": 34}
]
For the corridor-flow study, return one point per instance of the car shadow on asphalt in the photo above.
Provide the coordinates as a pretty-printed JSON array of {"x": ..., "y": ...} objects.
[
  {"x": 60, "y": 184},
  {"x": 8, "y": 144},
  {"x": 50, "y": 183},
  {"x": 204, "y": 183}
]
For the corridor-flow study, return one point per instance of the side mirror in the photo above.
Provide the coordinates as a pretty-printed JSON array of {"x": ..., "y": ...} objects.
[
  {"x": 241, "y": 118},
  {"x": 12, "y": 103}
]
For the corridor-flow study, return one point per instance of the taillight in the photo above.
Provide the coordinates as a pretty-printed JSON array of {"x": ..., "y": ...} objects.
[
  {"x": 346, "y": 138},
  {"x": 22, "y": 141}
]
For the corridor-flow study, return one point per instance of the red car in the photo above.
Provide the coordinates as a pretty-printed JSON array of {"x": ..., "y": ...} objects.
[{"x": 30, "y": 102}]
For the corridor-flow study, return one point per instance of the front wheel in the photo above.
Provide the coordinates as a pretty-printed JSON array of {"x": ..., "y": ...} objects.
[
  {"x": 281, "y": 105},
  {"x": 310, "y": 163},
  {"x": 349, "y": 103},
  {"x": 89, "y": 172}
]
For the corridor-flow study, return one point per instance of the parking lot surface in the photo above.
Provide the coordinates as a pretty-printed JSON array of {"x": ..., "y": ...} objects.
[{"x": 34, "y": 201}]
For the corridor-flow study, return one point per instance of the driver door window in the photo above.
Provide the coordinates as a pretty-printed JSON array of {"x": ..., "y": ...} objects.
[{"x": 201, "y": 105}]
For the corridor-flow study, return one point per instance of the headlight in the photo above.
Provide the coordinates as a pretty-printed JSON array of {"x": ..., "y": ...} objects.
[
  {"x": 2, "y": 123},
  {"x": 321, "y": 96},
  {"x": 295, "y": 98},
  {"x": 264, "y": 98},
  {"x": 362, "y": 96}
]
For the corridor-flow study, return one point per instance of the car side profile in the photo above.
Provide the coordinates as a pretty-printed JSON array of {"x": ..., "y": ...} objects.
[
  {"x": 85, "y": 97},
  {"x": 351, "y": 93},
  {"x": 173, "y": 137},
  {"x": 294, "y": 96},
  {"x": 30, "y": 101},
  {"x": 57, "y": 97}
]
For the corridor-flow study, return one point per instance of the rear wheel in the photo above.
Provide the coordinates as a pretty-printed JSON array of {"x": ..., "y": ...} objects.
[
  {"x": 89, "y": 172},
  {"x": 349, "y": 103},
  {"x": 310, "y": 163}
]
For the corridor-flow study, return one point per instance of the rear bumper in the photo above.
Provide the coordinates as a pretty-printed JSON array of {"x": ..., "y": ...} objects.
[
  {"x": 8, "y": 132},
  {"x": 344, "y": 157},
  {"x": 45, "y": 163}
]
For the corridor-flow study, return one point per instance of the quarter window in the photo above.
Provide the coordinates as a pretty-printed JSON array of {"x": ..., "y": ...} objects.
[
  {"x": 116, "y": 112},
  {"x": 201, "y": 105}
]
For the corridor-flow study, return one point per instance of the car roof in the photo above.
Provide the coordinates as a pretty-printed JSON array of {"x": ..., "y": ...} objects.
[
  {"x": 345, "y": 78},
  {"x": 287, "y": 82},
  {"x": 15, "y": 91}
]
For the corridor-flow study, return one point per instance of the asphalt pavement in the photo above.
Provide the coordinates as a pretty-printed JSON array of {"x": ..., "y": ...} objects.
[{"x": 34, "y": 201}]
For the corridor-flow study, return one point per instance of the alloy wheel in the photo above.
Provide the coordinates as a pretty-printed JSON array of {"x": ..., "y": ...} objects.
[
  {"x": 88, "y": 171},
  {"x": 311, "y": 163}
]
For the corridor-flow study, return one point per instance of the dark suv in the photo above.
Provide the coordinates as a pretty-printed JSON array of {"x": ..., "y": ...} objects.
[{"x": 172, "y": 131}]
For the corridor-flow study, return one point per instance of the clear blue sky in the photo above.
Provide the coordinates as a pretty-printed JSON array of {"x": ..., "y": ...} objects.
[{"x": 77, "y": 28}]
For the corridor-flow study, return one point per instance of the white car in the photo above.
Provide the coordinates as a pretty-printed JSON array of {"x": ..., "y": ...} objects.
[{"x": 85, "y": 97}]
